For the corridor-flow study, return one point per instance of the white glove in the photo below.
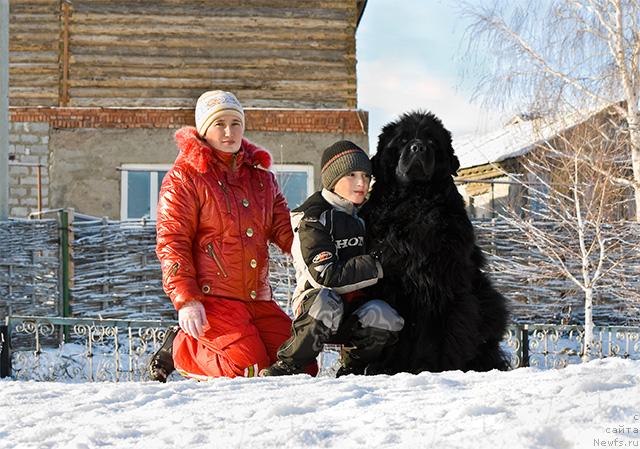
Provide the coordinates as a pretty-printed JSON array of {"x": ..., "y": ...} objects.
[{"x": 193, "y": 319}]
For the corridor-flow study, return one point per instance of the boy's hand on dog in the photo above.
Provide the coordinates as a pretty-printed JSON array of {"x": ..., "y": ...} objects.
[{"x": 384, "y": 254}]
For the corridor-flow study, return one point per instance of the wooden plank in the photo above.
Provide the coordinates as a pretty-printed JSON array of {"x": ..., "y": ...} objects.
[
  {"x": 153, "y": 30},
  {"x": 16, "y": 69},
  {"x": 33, "y": 57},
  {"x": 223, "y": 4},
  {"x": 29, "y": 92},
  {"x": 50, "y": 27},
  {"x": 35, "y": 80},
  {"x": 213, "y": 54},
  {"x": 163, "y": 43},
  {"x": 186, "y": 83},
  {"x": 89, "y": 60},
  {"x": 189, "y": 101},
  {"x": 202, "y": 20},
  {"x": 299, "y": 73},
  {"x": 268, "y": 8}
]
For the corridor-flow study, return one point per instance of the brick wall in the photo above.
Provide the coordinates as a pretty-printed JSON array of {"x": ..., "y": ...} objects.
[
  {"x": 28, "y": 147},
  {"x": 268, "y": 120}
]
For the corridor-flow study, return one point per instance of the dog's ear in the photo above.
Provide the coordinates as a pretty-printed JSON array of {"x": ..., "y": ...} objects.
[
  {"x": 376, "y": 169},
  {"x": 378, "y": 165},
  {"x": 454, "y": 163}
]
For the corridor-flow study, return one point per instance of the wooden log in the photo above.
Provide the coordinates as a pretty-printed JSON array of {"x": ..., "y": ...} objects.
[
  {"x": 222, "y": 24},
  {"x": 131, "y": 44},
  {"x": 33, "y": 92},
  {"x": 155, "y": 30},
  {"x": 208, "y": 73},
  {"x": 319, "y": 87},
  {"x": 32, "y": 46},
  {"x": 19, "y": 69},
  {"x": 223, "y": 53},
  {"x": 189, "y": 101},
  {"x": 160, "y": 61}
]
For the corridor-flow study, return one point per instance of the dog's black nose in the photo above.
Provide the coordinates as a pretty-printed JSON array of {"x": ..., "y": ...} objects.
[{"x": 416, "y": 146}]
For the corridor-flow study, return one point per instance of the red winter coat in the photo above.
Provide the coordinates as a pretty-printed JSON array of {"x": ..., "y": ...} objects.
[{"x": 215, "y": 221}]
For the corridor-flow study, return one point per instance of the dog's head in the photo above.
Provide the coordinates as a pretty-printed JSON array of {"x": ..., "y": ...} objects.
[{"x": 416, "y": 148}]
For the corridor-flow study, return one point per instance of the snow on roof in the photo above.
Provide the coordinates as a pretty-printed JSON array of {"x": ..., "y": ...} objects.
[{"x": 516, "y": 138}]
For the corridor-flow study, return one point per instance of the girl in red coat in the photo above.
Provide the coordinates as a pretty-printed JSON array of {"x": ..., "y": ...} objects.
[{"x": 218, "y": 209}]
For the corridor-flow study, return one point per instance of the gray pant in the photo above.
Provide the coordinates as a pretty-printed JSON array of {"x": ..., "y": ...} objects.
[{"x": 365, "y": 329}]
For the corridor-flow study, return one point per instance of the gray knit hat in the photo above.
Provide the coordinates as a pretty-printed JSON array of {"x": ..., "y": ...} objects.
[{"x": 340, "y": 159}]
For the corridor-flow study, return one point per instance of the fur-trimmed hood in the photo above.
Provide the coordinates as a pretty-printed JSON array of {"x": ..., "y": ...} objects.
[{"x": 198, "y": 154}]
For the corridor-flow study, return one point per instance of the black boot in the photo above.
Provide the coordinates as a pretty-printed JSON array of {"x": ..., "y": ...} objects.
[
  {"x": 363, "y": 358},
  {"x": 161, "y": 363},
  {"x": 281, "y": 368}
]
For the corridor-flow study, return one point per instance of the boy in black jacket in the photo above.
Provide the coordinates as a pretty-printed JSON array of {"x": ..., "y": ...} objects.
[{"x": 332, "y": 268}]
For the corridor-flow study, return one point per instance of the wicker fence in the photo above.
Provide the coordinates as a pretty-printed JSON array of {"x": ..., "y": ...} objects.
[
  {"x": 109, "y": 270},
  {"x": 29, "y": 268}
]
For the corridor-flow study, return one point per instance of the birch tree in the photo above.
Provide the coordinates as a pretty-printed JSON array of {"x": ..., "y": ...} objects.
[
  {"x": 550, "y": 55},
  {"x": 571, "y": 209}
]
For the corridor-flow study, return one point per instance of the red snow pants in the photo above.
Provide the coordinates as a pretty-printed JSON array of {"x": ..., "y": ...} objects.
[{"x": 241, "y": 338}]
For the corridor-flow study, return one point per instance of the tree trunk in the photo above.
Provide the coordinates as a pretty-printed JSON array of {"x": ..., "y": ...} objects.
[
  {"x": 634, "y": 138},
  {"x": 588, "y": 324}
]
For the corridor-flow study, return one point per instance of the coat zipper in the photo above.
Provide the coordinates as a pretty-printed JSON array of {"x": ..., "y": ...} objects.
[
  {"x": 226, "y": 195},
  {"x": 215, "y": 258},
  {"x": 259, "y": 177}
]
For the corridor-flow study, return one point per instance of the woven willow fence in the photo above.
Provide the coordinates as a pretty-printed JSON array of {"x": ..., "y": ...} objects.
[
  {"x": 29, "y": 268},
  {"x": 117, "y": 274},
  {"x": 539, "y": 290},
  {"x": 114, "y": 274}
]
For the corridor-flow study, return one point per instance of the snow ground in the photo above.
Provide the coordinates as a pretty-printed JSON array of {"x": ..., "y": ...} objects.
[{"x": 582, "y": 406}]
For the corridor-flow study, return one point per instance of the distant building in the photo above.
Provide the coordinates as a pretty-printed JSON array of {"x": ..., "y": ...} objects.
[
  {"x": 491, "y": 164},
  {"x": 98, "y": 88}
]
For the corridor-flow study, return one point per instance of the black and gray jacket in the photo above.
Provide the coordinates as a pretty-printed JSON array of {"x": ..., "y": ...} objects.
[{"x": 328, "y": 247}]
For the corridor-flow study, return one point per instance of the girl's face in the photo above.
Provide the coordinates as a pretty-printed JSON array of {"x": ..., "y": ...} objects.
[
  {"x": 225, "y": 133},
  {"x": 353, "y": 187}
]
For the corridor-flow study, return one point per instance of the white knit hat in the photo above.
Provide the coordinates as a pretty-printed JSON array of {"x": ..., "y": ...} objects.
[{"x": 213, "y": 104}]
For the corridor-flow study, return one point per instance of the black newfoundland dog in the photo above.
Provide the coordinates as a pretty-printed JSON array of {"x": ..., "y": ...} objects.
[{"x": 417, "y": 223}]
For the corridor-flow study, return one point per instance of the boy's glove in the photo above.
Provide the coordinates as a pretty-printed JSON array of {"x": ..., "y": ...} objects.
[
  {"x": 384, "y": 254},
  {"x": 193, "y": 319},
  {"x": 377, "y": 254}
]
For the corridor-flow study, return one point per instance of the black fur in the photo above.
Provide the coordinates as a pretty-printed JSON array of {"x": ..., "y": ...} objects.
[{"x": 416, "y": 220}]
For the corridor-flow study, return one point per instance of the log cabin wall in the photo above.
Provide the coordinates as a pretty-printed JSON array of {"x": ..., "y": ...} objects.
[
  {"x": 34, "y": 52},
  {"x": 164, "y": 53}
]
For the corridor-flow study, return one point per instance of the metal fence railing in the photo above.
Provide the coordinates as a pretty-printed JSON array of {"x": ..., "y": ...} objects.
[{"x": 72, "y": 349}]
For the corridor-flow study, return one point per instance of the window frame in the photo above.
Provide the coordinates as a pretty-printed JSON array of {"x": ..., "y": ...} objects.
[
  {"x": 154, "y": 186},
  {"x": 304, "y": 168}
]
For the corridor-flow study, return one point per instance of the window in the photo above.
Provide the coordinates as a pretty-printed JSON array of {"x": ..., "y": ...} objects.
[
  {"x": 296, "y": 182},
  {"x": 140, "y": 187}
]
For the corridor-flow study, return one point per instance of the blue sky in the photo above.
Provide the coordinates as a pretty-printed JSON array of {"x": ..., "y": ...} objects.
[{"x": 411, "y": 55}]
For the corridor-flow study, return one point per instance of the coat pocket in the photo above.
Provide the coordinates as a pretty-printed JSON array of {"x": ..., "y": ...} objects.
[{"x": 216, "y": 259}]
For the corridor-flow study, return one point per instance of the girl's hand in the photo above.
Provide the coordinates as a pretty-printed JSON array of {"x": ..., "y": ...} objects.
[{"x": 193, "y": 319}]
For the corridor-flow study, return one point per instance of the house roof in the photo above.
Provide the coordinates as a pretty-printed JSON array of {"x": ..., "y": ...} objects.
[
  {"x": 517, "y": 137},
  {"x": 361, "y": 5}
]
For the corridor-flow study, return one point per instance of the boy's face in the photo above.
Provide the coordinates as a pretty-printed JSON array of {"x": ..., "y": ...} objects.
[{"x": 353, "y": 187}]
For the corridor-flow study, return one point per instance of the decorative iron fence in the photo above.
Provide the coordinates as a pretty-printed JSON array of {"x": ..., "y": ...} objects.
[{"x": 71, "y": 349}]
